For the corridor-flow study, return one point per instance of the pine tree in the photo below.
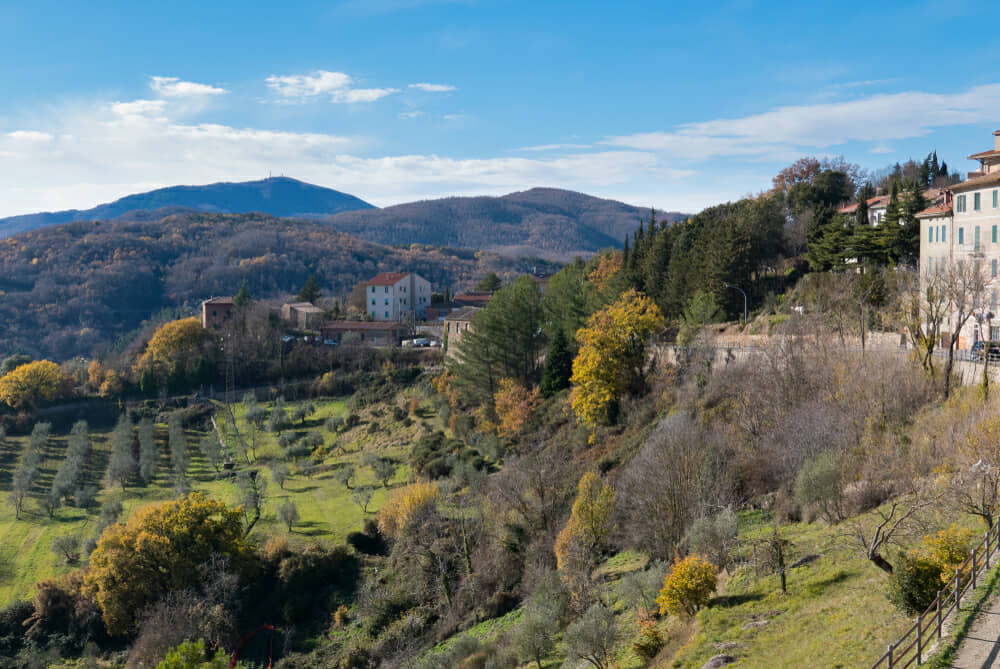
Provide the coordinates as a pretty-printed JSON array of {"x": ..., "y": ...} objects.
[
  {"x": 310, "y": 291},
  {"x": 558, "y": 365},
  {"x": 243, "y": 297}
]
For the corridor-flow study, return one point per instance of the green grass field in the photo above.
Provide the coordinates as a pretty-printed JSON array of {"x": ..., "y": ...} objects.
[{"x": 326, "y": 509}]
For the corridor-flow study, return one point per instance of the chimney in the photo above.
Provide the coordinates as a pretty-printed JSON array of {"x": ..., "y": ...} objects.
[{"x": 996, "y": 142}]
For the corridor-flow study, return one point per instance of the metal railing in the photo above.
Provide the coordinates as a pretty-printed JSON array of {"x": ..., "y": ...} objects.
[{"x": 909, "y": 649}]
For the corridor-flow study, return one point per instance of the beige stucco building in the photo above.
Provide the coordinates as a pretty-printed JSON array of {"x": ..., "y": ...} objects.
[
  {"x": 964, "y": 229},
  {"x": 397, "y": 296}
]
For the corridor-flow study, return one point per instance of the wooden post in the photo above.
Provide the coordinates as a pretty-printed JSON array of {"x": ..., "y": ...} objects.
[
  {"x": 958, "y": 591},
  {"x": 973, "y": 568},
  {"x": 939, "y": 614},
  {"x": 890, "y": 656},
  {"x": 987, "y": 550},
  {"x": 920, "y": 647}
]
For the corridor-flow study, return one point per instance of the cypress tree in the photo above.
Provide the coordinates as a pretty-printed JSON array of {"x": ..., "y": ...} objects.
[
  {"x": 558, "y": 365},
  {"x": 310, "y": 291}
]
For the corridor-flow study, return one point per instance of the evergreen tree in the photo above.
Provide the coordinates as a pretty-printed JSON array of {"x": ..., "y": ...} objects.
[
  {"x": 489, "y": 283},
  {"x": 243, "y": 297},
  {"x": 558, "y": 366},
  {"x": 505, "y": 341},
  {"x": 147, "y": 450},
  {"x": 310, "y": 291}
]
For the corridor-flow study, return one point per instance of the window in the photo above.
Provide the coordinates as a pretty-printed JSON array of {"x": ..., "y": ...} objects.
[
  {"x": 373, "y": 301},
  {"x": 373, "y": 289},
  {"x": 975, "y": 202},
  {"x": 944, "y": 233},
  {"x": 993, "y": 267},
  {"x": 994, "y": 199},
  {"x": 930, "y": 235},
  {"x": 961, "y": 236},
  {"x": 994, "y": 234},
  {"x": 387, "y": 301},
  {"x": 387, "y": 314},
  {"x": 976, "y": 236},
  {"x": 387, "y": 289},
  {"x": 994, "y": 329},
  {"x": 960, "y": 205}
]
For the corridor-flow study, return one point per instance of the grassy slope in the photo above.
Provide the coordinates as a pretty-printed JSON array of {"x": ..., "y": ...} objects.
[{"x": 325, "y": 506}]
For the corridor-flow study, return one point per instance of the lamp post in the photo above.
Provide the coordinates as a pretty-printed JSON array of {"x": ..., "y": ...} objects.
[{"x": 729, "y": 285}]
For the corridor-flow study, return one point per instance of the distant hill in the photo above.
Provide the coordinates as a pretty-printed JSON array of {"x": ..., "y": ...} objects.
[
  {"x": 542, "y": 222},
  {"x": 278, "y": 196},
  {"x": 72, "y": 289}
]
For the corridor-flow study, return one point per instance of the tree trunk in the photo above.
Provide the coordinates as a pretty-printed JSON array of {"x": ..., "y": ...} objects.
[{"x": 881, "y": 563}]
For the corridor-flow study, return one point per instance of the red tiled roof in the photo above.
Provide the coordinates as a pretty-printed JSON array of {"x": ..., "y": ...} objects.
[
  {"x": 219, "y": 300},
  {"x": 475, "y": 297},
  {"x": 985, "y": 180},
  {"x": 387, "y": 278},
  {"x": 992, "y": 153},
  {"x": 935, "y": 211}
]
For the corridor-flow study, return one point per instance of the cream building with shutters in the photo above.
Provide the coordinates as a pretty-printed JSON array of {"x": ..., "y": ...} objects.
[{"x": 965, "y": 229}]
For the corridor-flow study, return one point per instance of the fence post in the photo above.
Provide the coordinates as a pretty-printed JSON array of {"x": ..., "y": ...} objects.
[
  {"x": 920, "y": 648},
  {"x": 939, "y": 615},
  {"x": 958, "y": 591},
  {"x": 987, "y": 550},
  {"x": 973, "y": 568},
  {"x": 890, "y": 656}
]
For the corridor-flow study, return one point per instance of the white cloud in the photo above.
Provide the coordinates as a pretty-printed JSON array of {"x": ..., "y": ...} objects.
[
  {"x": 173, "y": 87},
  {"x": 454, "y": 117},
  {"x": 554, "y": 147},
  {"x": 102, "y": 152},
  {"x": 308, "y": 85},
  {"x": 433, "y": 88},
  {"x": 793, "y": 130},
  {"x": 30, "y": 136},
  {"x": 416, "y": 113},
  {"x": 354, "y": 95}
]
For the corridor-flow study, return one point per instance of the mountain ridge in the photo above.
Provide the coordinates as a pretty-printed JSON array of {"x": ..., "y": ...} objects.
[{"x": 277, "y": 196}]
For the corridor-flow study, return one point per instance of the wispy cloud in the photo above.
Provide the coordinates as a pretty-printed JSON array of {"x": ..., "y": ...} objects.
[
  {"x": 554, "y": 147},
  {"x": 433, "y": 88},
  {"x": 173, "y": 87},
  {"x": 416, "y": 113},
  {"x": 308, "y": 85},
  {"x": 353, "y": 95},
  {"x": 336, "y": 85},
  {"x": 793, "y": 130},
  {"x": 453, "y": 117}
]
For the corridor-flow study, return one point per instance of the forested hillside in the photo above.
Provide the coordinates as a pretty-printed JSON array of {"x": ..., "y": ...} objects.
[
  {"x": 544, "y": 222},
  {"x": 278, "y": 196},
  {"x": 72, "y": 289}
]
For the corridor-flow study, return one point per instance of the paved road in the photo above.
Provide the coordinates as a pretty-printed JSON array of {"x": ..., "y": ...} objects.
[{"x": 981, "y": 648}]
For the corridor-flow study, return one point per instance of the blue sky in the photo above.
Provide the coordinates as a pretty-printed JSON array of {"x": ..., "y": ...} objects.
[{"x": 677, "y": 105}]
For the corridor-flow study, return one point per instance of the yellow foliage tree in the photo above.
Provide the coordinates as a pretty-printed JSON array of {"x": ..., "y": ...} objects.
[
  {"x": 175, "y": 342},
  {"x": 513, "y": 405},
  {"x": 95, "y": 375},
  {"x": 407, "y": 506},
  {"x": 159, "y": 549},
  {"x": 949, "y": 548},
  {"x": 612, "y": 356},
  {"x": 687, "y": 586},
  {"x": 590, "y": 522},
  {"x": 29, "y": 384}
]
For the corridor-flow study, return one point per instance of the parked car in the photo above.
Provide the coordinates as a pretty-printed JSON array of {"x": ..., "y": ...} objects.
[{"x": 986, "y": 349}]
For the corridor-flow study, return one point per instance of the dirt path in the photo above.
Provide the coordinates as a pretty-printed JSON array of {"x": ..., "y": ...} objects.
[{"x": 981, "y": 648}]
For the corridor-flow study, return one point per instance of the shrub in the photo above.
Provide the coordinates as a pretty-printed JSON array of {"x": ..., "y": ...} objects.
[
  {"x": 819, "y": 484},
  {"x": 715, "y": 537},
  {"x": 949, "y": 548},
  {"x": 914, "y": 582},
  {"x": 687, "y": 586},
  {"x": 649, "y": 642}
]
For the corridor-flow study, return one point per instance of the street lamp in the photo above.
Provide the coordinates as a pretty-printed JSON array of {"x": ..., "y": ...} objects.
[{"x": 729, "y": 285}]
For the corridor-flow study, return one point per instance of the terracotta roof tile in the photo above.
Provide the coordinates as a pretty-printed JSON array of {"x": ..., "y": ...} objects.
[
  {"x": 935, "y": 211},
  {"x": 977, "y": 182},
  {"x": 387, "y": 278}
]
